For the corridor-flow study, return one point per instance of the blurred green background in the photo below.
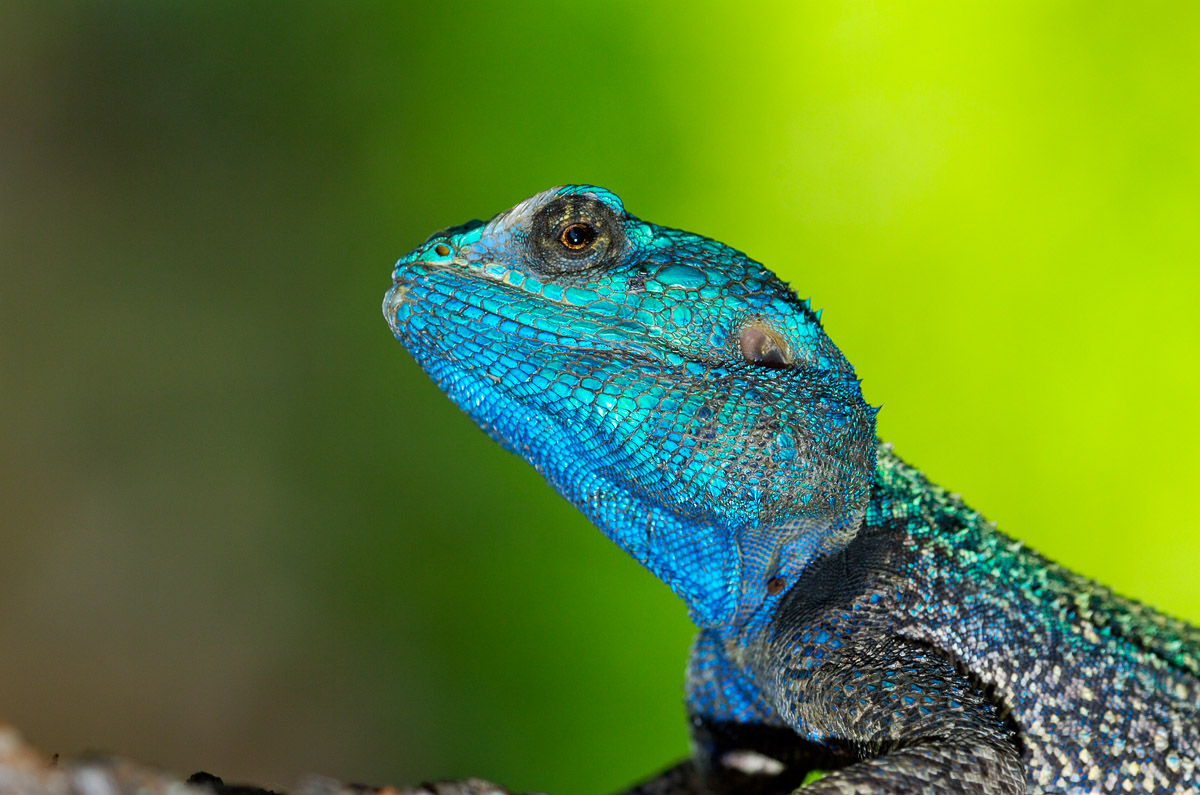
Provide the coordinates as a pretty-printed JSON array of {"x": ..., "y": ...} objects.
[{"x": 243, "y": 533}]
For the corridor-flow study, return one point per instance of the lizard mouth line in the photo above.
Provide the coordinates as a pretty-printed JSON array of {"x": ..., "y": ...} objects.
[{"x": 512, "y": 312}]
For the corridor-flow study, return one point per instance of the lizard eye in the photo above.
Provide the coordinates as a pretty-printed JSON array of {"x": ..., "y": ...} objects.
[
  {"x": 575, "y": 233},
  {"x": 577, "y": 236},
  {"x": 764, "y": 347}
]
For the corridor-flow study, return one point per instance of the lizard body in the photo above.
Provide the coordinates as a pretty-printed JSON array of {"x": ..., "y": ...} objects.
[{"x": 852, "y": 616}]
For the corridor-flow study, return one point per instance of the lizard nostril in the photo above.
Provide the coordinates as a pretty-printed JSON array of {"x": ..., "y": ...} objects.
[{"x": 442, "y": 250}]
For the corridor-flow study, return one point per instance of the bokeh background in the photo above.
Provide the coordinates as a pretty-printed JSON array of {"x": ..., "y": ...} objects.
[{"x": 243, "y": 533}]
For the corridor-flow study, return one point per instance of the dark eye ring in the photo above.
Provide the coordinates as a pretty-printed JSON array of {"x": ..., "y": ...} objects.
[{"x": 577, "y": 236}]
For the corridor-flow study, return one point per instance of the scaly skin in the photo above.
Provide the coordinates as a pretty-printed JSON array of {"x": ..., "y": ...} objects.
[{"x": 853, "y": 616}]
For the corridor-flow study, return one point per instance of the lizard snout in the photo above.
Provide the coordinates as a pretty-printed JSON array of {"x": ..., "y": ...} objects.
[{"x": 395, "y": 310}]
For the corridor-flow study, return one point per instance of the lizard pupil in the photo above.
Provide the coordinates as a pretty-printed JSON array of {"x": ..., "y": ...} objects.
[{"x": 578, "y": 236}]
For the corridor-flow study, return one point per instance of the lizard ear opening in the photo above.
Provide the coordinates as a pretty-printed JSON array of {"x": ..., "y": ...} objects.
[{"x": 764, "y": 347}]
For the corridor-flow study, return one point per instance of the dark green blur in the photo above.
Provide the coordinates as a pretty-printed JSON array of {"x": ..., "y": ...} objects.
[{"x": 242, "y": 531}]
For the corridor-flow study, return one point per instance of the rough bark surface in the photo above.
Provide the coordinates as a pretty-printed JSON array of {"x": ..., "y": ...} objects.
[{"x": 24, "y": 770}]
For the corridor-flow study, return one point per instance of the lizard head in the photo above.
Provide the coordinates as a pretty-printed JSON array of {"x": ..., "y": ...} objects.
[{"x": 673, "y": 389}]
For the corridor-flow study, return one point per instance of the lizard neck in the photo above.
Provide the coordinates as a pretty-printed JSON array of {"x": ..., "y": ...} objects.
[
  {"x": 720, "y": 560},
  {"x": 729, "y": 568},
  {"x": 757, "y": 496}
]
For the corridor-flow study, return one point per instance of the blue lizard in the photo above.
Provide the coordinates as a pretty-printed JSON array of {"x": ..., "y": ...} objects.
[{"x": 853, "y": 617}]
